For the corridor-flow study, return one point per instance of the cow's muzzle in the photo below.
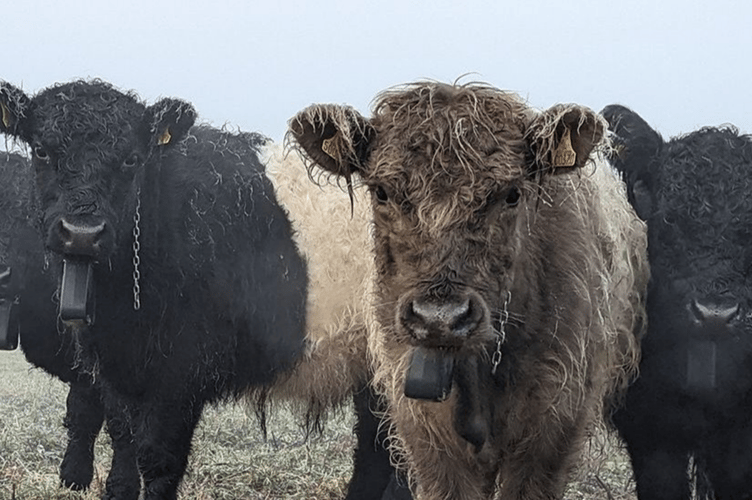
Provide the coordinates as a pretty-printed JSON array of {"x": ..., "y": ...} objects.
[
  {"x": 714, "y": 314},
  {"x": 442, "y": 322},
  {"x": 713, "y": 319},
  {"x": 82, "y": 240}
]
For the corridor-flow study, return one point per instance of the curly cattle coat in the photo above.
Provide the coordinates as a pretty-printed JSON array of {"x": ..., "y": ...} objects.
[
  {"x": 201, "y": 290},
  {"x": 334, "y": 238},
  {"x": 338, "y": 251},
  {"x": 692, "y": 401},
  {"x": 493, "y": 227}
]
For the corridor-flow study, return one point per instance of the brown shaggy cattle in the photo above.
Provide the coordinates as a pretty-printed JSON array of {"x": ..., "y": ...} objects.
[{"x": 510, "y": 273}]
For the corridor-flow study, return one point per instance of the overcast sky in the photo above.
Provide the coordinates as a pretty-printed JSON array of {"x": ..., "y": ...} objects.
[{"x": 681, "y": 64}]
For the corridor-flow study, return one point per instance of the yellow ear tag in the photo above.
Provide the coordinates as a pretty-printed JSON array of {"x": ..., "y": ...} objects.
[
  {"x": 331, "y": 146},
  {"x": 565, "y": 156},
  {"x": 164, "y": 138},
  {"x": 6, "y": 115}
]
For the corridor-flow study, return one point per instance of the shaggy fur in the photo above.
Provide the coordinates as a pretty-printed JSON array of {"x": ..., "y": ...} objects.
[
  {"x": 337, "y": 249},
  {"x": 691, "y": 403},
  {"x": 337, "y": 246},
  {"x": 474, "y": 201},
  {"x": 221, "y": 285},
  {"x": 214, "y": 307},
  {"x": 33, "y": 288}
]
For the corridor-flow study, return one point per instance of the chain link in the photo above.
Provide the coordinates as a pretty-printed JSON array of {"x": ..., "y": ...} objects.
[
  {"x": 501, "y": 335},
  {"x": 136, "y": 257}
]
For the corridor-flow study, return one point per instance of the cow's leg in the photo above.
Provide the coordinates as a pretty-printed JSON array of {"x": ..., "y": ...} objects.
[
  {"x": 657, "y": 449},
  {"x": 459, "y": 479},
  {"x": 397, "y": 488},
  {"x": 124, "y": 480},
  {"x": 537, "y": 466},
  {"x": 373, "y": 478},
  {"x": 659, "y": 460},
  {"x": 84, "y": 415},
  {"x": 660, "y": 474},
  {"x": 728, "y": 461},
  {"x": 163, "y": 436}
]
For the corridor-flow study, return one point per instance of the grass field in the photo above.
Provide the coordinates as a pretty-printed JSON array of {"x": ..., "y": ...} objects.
[{"x": 230, "y": 458}]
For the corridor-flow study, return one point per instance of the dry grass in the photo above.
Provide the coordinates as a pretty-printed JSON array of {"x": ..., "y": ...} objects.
[{"x": 230, "y": 458}]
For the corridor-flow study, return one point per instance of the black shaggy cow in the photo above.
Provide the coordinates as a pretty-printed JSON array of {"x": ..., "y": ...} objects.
[
  {"x": 200, "y": 291},
  {"x": 27, "y": 288},
  {"x": 15, "y": 228},
  {"x": 693, "y": 400},
  {"x": 179, "y": 281}
]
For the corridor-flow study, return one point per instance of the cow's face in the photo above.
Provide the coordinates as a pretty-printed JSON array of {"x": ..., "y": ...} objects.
[
  {"x": 89, "y": 144},
  {"x": 693, "y": 192},
  {"x": 455, "y": 176}
]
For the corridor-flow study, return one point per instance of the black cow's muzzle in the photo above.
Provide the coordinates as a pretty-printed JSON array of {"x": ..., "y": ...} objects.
[
  {"x": 80, "y": 239},
  {"x": 712, "y": 320}
]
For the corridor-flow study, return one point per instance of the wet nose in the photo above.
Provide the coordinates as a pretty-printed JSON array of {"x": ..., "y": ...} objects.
[
  {"x": 426, "y": 319},
  {"x": 81, "y": 240},
  {"x": 711, "y": 313}
]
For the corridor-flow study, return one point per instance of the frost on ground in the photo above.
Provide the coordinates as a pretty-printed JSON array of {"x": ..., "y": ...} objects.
[{"x": 230, "y": 459}]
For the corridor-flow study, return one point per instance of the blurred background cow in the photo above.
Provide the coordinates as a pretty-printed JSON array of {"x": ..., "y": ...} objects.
[
  {"x": 692, "y": 401},
  {"x": 29, "y": 288}
]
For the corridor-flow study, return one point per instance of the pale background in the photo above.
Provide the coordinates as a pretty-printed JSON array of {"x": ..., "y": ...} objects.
[{"x": 681, "y": 64}]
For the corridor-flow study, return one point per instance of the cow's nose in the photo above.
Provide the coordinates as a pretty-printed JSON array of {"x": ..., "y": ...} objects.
[
  {"x": 81, "y": 240},
  {"x": 713, "y": 313},
  {"x": 448, "y": 319}
]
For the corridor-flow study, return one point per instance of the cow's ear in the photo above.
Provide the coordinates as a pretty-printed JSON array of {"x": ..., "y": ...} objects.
[
  {"x": 169, "y": 120},
  {"x": 14, "y": 110},
  {"x": 563, "y": 137},
  {"x": 636, "y": 149},
  {"x": 333, "y": 138}
]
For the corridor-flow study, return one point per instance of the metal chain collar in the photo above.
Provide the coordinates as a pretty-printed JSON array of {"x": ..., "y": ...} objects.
[
  {"x": 136, "y": 257},
  {"x": 501, "y": 335}
]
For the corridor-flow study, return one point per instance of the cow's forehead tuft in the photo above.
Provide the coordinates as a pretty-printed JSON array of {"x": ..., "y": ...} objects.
[
  {"x": 711, "y": 167},
  {"x": 82, "y": 110},
  {"x": 473, "y": 114},
  {"x": 446, "y": 148}
]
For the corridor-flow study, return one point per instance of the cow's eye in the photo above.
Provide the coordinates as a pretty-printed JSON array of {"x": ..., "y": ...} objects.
[
  {"x": 41, "y": 153},
  {"x": 513, "y": 196},
  {"x": 131, "y": 161},
  {"x": 381, "y": 195}
]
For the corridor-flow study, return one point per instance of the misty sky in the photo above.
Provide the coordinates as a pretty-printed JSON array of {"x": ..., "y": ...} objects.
[{"x": 252, "y": 64}]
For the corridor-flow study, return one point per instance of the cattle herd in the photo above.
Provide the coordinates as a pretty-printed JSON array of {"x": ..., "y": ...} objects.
[{"x": 487, "y": 283}]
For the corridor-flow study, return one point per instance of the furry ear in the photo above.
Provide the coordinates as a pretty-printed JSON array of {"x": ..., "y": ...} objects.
[
  {"x": 563, "y": 137},
  {"x": 168, "y": 121},
  {"x": 636, "y": 148},
  {"x": 635, "y": 143},
  {"x": 333, "y": 138},
  {"x": 14, "y": 109}
]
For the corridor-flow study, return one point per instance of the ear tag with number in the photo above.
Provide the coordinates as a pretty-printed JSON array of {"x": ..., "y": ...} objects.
[{"x": 565, "y": 156}]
